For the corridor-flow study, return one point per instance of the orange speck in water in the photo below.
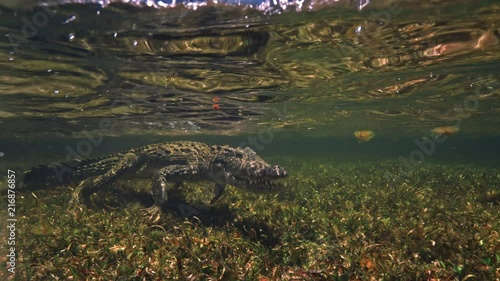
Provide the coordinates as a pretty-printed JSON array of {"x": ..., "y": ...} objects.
[
  {"x": 216, "y": 99},
  {"x": 367, "y": 263},
  {"x": 216, "y": 106},
  {"x": 445, "y": 131},
  {"x": 364, "y": 136}
]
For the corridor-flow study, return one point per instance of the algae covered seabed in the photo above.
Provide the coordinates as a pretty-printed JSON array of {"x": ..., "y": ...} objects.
[
  {"x": 305, "y": 83},
  {"x": 363, "y": 220}
]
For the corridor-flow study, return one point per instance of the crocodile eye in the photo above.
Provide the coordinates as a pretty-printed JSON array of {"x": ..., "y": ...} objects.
[
  {"x": 248, "y": 150},
  {"x": 238, "y": 154}
]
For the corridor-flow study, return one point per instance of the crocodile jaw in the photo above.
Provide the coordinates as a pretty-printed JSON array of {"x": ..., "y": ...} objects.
[{"x": 259, "y": 177}]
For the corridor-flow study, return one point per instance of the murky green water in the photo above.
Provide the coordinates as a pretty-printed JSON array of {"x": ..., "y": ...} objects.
[
  {"x": 399, "y": 71},
  {"x": 422, "y": 78},
  {"x": 327, "y": 73}
]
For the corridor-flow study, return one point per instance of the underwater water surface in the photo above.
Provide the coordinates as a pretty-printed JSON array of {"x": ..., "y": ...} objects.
[{"x": 385, "y": 115}]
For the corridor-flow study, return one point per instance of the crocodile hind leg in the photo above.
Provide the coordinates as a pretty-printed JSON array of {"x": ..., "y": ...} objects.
[{"x": 91, "y": 185}]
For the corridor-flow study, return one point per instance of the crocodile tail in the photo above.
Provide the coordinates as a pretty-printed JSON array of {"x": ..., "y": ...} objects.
[{"x": 45, "y": 176}]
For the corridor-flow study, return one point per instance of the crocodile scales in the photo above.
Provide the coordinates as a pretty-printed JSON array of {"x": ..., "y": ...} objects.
[{"x": 173, "y": 162}]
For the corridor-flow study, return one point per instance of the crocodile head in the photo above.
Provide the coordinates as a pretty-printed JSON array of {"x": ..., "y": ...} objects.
[{"x": 244, "y": 168}]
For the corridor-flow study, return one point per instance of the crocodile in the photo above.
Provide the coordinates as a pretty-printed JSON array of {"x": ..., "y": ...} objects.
[{"x": 171, "y": 162}]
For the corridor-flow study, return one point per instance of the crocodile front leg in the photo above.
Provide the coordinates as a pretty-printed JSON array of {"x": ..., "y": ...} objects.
[
  {"x": 173, "y": 173},
  {"x": 218, "y": 191},
  {"x": 91, "y": 185},
  {"x": 176, "y": 174}
]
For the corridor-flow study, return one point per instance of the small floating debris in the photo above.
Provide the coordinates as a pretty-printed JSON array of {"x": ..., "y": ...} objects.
[
  {"x": 117, "y": 248},
  {"x": 364, "y": 136},
  {"x": 216, "y": 101},
  {"x": 445, "y": 131},
  {"x": 70, "y": 19}
]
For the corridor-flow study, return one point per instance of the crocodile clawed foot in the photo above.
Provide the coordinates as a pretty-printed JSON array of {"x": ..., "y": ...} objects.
[
  {"x": 75, "y": 206},
  {"x": 153, "y": 213},
  {"x": 78, "y": 200}
]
